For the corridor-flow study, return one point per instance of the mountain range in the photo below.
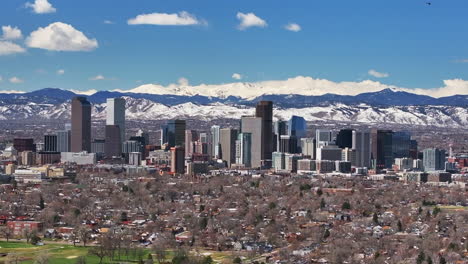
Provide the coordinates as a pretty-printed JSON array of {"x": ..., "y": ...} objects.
[{"x": 385, "y": 106}]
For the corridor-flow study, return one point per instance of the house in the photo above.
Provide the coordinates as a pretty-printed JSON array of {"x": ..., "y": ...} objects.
[{"x": 19, "y": 227}]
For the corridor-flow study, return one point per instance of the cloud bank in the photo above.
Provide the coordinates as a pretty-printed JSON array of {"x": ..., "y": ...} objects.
[
  {"x": 301, "y": 85},
  {"x": 162, "y": 19}
]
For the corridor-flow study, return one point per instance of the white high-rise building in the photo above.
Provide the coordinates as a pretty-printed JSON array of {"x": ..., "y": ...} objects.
[
  {"x": 116, "y": 114},
  {"x": 323, "y": 137},
  {"x": 215, "y": 141},
  {"x": 362, "y": 145}
]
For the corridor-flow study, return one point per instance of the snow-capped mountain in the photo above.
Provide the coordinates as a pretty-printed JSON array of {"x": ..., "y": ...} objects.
[{"x": 144, "y": 109}]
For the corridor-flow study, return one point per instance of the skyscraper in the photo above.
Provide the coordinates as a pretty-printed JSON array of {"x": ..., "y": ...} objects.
[
  {"x": 433, "y": 159},
  {"x": 81, "y": 125},
  {"x": 362, "y": 145},
  {"x": 288, "y": 144},
  {"x": 254, "y": 125},
  {"x": 308, "y": 147},
  {"x": 280, "y": 128},
  {"x": 323, "y": 137},
  {"x": 176, "y": 133},
  {"x": 382, "y": 149},
  {"x": 177, "y": 160},
  {"x": 50, "y": 143},
  {"x": 264, "y": 110},
  {"x": 227, "y": 139},
  {"x": 344, "y": 138},
  {"x": 215, "y": 141},
  {"x": 64, "y": 141},
  {"x": 113, "y": 143},
  {"x": 297, "y": 126},
  {"x": 116, "y": 115},
  {"x": 401, "y": 141},
  {"x": 191, "y": 136},
  {"x": 244, "y": 149}
]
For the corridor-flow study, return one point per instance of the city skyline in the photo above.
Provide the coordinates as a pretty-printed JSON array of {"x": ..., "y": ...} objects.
[{"x": 236, "y": 42}]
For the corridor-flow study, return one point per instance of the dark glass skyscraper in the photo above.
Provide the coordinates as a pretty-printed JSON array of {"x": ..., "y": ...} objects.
[
  {"x": 280, "y": 129},
  {"x": 81, "y": 125},
  {"x": 382, "y": 149},
  {"x": 50, "y": 143},
  {"x": 344, "y": 138},
  {"x": 264, "y": 110},
  {"x": 401, "y": 144},
  {"x": 113, "y": 144},
  {"x": 176, "y": 133}
]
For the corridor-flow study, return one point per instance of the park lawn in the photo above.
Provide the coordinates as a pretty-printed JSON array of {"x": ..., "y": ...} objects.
[
  {"x": 453, "y": 207},
  {"x": 58, "y": 254},
  {"x": 65, "y": 254}
]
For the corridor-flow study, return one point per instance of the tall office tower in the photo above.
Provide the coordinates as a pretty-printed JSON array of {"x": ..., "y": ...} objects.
[
  {"x": 113, "y": 144},
  {"x": 362, "y": 145},
  {"x": 254, "y": 125},
  {"x": 297, "y": 126},
  {"x": 64, "y": 141},
  {"x": 264, "y": 110},
  {"x": 323, "y": 137},
  {"x": 81, "y": 125},
  {"x": 433, "y": 159},
  {"x": 280, "y": 128},
  {"x": 24, "y": 144},
  {"x": 215, "y": 141},
  {"x": 401, "y": 142},
  {"x": 227, "y": 140},
  {"x": 308, "y": 147},
  {"x": 191, "y": 136},
  {"x": 288, "y": 144},
  {"x": 244, "y": 149},
  {"x": 130, "y": 146},
  {"x": 164, "y": 131},
  {"x": 177, "y": 160},
  {"x": 176, "y": 133},
  {"x": 382, "y": 149},
  {"x": 50, "y": 143},
  {"x": 344, "y": 138},
  {"x": 116, "y": 115},
  {"x": 413, "y": 151}
]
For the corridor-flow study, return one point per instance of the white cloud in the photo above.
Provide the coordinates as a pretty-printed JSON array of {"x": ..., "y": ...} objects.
[
  {"x": 11, "y": 33},
  {"x": 162, "y": 19},
  {"x": 97, "y": 78},
  {"x": 8, "y": 48},
  {"x": 301, "y": 85},
  {"x": 461, "y": 61},
  {"x": 16, "y": 80},
  {"x": 59, "y": 36},
  {"x": 11, "y": 92},
  {"x": 250, "y": 20},
  {"x": 183, "y": 81},
  {"x": 377, "y": 74},
  {"x": 61, "y": 72},
  {"x": 108, "y": 22},
  {"x": 41, "y": 7},
  {"x": 89, "y": 92},
  {"x": 237, "y": 76},
  {"x": 293, "y": 27}
]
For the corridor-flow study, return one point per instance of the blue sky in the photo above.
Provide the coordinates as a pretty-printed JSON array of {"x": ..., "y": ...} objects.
[{"x": 415, "y": 44}]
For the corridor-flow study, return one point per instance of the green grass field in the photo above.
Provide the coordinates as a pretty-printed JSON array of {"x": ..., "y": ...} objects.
[
  {"x": 58, "y": 254},
  {"x": 68, "y": 254}
]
